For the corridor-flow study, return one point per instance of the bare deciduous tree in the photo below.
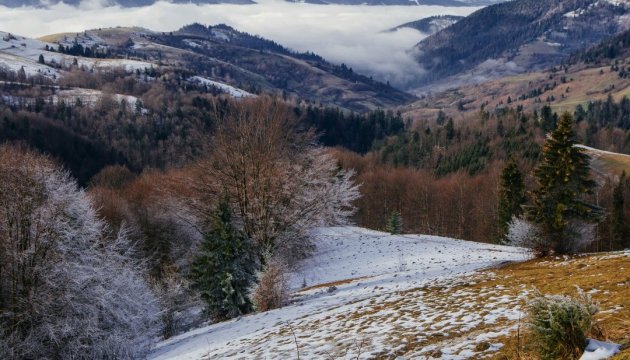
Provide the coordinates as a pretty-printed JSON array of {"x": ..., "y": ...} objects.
[
  {"x": 66, "y": 289},
  {"x": 280, "y": 183}
]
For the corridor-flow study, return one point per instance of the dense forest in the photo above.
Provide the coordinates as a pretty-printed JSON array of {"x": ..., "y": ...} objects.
[{"x": 168, "y": 123}]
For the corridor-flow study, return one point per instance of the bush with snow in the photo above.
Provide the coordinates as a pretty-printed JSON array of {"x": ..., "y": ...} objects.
[
  {"x": 559, "y": 324},
  {"x": 523, "y": 233},
  {"x": 69, "y": 289},
  {"x": 272, "y": 290}
]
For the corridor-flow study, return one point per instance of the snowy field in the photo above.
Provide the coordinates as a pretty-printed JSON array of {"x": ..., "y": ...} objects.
[
  {"x": 19, "y": 51},
  {"x": 369, "y": 294}
]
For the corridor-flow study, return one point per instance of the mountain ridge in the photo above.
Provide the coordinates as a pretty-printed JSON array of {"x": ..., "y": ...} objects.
[
  {"x": 219, "y": 53},
  {"x": 516, "y": 37}
]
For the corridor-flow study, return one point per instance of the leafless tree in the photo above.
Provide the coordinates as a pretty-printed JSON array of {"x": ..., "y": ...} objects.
[
  {"x": 280, "y": 183},
  {"x": 66, "y": 289}
]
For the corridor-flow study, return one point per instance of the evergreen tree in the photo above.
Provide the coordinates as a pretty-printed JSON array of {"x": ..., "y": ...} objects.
[
  {"x": 441, "y": 118},
  {"x": 511, "y": 196},
  {"x": 450, "y": 129},
  {"x": 395, "y": 223},
  {"x": 618, "y": 226},
  {"x": 548, "y": 119},
  {"x": 41, "y": 59},
  {"x": 224, "y": 270},
  {"x": 563, "y": 180},
  {"x": 21, "y": 74}
]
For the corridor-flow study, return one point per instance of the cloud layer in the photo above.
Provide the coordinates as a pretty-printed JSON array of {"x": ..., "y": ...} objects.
[{"x": 349, "y": 34}]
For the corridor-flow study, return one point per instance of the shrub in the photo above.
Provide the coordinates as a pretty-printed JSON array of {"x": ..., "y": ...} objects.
[
  {"x": 559, "y": 324},
  {"x": 525, "y": 234},
  {"x": 578, "y": 235},
  {"x": 272, "y": 290}
]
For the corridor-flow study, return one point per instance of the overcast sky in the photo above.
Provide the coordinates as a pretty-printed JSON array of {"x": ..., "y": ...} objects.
[{"x": 349, "y": 34}]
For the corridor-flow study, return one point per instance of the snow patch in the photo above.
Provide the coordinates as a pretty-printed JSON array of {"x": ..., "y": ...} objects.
[
  {"x": 231, "y": 90},
  {"x": 599, "y": 350}
]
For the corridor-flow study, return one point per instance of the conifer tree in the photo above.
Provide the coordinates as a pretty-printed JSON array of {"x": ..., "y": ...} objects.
[
  {"x": 563, "y": 181},
  {"x": 224, "y": 270},
  {"x": 395, "y": 223},
  {"x": 618, "y": 226},
  {"x": 511, "y": 196}
]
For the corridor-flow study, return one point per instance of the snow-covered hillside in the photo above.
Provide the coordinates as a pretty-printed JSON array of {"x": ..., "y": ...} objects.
[
  {"x": 235, "y": 92},
  {"x": 368, "y": 293},
  {"x": 18, "y": 52}
]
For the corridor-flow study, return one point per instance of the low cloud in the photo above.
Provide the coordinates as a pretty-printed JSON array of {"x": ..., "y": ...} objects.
[{"x": 342, "y": 34}]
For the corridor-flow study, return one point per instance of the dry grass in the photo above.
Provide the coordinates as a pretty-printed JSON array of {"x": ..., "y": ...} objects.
[
  {"x": 463, "y": 316},
  {"x": 606, "y": 277},
  {"x": 610, "y": 163},
  {"x": 579, "y": 87},
  {"x": 332, "y": 283}
]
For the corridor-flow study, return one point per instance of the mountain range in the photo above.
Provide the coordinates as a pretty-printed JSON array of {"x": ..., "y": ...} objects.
[
  {"x": 139, "y": 3},
  {"x": 217, "y": 54},
  {"x": 516, "y": 37}
]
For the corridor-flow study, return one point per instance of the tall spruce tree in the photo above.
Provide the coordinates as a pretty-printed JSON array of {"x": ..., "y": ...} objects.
[
  {"x": 511, "y": 197},
  {"x": 224, "y": 270},
  {"x": 563, "y": 181},
  {"x": 618, "y": 225},
  {"x": 395, "y": 223}
]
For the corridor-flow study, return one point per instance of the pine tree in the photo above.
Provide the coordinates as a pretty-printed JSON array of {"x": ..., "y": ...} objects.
[
  {"x": 563, "y": 181},
  {"x": 395, "y": 223},
  {"x": 450, "y": 129},
  {"x": 41, "y": 59},
  {"x": 224, "y": 270},
  {"x": 618, "y": 226},
  {"x": 21, "y": 75},
  {"x": 511, "y": 196}
]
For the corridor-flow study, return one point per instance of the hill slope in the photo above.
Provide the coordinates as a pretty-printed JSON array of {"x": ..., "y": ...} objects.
[
  {"x": 123, "y": 3},
  {"x": 225, "y": 55},
  {"x": 516, "y": 37},
  {"x": 430, "y": 25},
  {"x": 411, "y": 297},
  {"x": 379, "y": 306}
]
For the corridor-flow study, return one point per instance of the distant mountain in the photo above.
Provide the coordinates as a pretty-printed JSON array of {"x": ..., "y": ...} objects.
[
  {"x": 215, "y": 56},
  {"x": 228, "y": 54},
  {"x": 450, "y": 3},
  {"x": 124, "y": 3},
  {"x": 138, "y": 3},
  {"x": 517, "y": 36},
  {"x": 430, "y": 25}
]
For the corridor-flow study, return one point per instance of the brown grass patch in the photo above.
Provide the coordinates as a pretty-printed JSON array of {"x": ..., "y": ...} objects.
[
  {"x": 606, "y": 276},
  {"x": 333, "y": 283}
]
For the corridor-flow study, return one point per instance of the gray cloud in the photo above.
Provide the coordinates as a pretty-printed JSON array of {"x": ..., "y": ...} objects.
[{"x": 349, "y": 34}]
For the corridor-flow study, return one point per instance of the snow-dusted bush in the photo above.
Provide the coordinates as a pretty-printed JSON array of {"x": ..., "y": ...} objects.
[
  {"x": 559, "y": 324},
  {"x": 272, "y": 290},
  {"x": 67, "y": 290},
  {"x": 581, "y": 235},
  {"x": 526, "y": 234},
  {"x": 181, "y": 308}
]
